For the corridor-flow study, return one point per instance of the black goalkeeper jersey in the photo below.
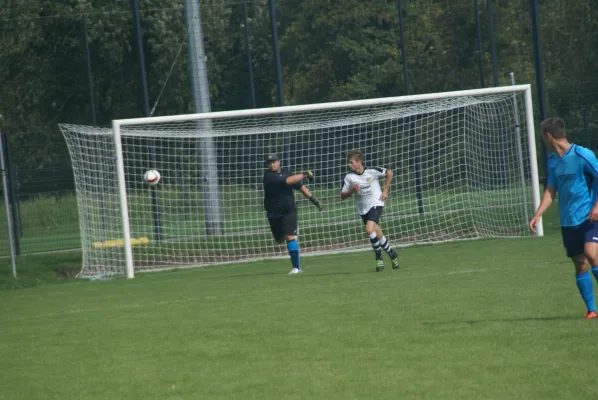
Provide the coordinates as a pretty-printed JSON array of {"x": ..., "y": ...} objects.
[{"x": 279, "y": 198}]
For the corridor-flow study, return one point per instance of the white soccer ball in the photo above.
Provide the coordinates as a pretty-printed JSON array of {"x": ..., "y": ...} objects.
[{"x": 152, "y": 177}]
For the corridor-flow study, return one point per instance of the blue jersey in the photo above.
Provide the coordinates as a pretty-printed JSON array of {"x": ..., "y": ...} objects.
[{"x": 575, "y": 177}]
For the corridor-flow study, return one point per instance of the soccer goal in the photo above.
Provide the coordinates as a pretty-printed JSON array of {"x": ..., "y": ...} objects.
[{"x": 464, "y": 168}]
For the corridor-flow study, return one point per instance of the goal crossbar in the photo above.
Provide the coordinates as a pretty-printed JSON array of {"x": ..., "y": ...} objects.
[{"x": 319, "y": 106}]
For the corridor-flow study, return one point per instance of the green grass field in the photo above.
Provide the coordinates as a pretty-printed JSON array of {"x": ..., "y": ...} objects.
[{"x": 496, "y": 319}]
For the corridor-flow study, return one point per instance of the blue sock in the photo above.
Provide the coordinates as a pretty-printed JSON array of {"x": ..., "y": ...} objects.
[
  {"x": 586, "y": 289},
  {"x": 293, "y": 248},
  {"x": 595, "y": 272}
]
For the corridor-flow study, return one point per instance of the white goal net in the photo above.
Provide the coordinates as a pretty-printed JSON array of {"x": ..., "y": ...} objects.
[{"x": 464, "y": 168}]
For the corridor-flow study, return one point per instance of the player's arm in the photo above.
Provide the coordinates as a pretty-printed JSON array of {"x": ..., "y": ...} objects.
[
  {"x": 546, "y": 202},
  {"x": 294, "y": 179},
  {"x": 348, "y": 189},
  {"x": 387, "y": 184},
  {"x": 547, "y": 198},
  {"x": 381, "y": 172},
  {"x": 311, "y": 197},
  {"x": 590, "y": 167}
]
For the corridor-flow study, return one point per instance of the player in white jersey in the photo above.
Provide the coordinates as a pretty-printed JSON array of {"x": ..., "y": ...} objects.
[{"x": 363, "y": 181}]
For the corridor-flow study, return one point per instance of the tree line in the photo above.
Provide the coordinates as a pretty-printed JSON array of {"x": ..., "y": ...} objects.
[{"x": 329, "y": 50}]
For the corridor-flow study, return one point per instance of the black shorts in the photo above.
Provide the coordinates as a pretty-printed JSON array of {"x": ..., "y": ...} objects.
[
  {"x": 574, "y": 237},
  {"x": 285, "y": 225},
  {"x": 374, "y": 214}
]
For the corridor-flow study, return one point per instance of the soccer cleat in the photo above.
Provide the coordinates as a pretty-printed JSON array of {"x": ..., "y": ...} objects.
[
  {"x": 295, "y": 271},
  {"x": 590, "y": 315},
  {"x": 379, "y": 265},
  {"x": 395, "y": 263}
]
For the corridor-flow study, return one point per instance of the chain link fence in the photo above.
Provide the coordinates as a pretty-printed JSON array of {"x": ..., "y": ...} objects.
[{"x": 81, "y": 65}]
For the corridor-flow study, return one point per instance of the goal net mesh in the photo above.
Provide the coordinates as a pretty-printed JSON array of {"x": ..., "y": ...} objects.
[{"x": 461, "y": 171}]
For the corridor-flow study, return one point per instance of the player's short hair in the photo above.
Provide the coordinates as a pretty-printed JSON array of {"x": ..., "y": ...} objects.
[
  {"x": 554, "y": 126},
  {"x": 355, "y": 155}
]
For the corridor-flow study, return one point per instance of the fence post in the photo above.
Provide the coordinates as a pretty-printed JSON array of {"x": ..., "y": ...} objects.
[
  {"x": 9, "y": 218},
  {"x": 403, "y": 52},
  {"x": 146, "y": 112},
  {"x": 92, "y": 101},
  {"x": 479, "y": 42},
  {"x": 492, "y": 43},
  {"x": 585, "y": 127},
  {"x": 539, "y": 74},
  {"x": 249, "y": 55},
  {"x": 13, "y": 192}
]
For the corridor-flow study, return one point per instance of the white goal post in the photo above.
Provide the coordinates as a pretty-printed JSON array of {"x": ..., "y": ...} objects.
[{"x": 465, "y": 168}]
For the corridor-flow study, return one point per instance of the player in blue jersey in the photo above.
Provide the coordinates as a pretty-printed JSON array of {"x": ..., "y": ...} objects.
[{"x": 573, "y": 174}]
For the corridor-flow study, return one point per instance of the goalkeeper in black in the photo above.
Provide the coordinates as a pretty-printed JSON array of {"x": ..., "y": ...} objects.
[{"x": 279, "y": 202}]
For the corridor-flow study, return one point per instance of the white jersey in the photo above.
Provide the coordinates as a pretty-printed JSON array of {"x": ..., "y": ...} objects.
[{"x": 369, "y": 194}]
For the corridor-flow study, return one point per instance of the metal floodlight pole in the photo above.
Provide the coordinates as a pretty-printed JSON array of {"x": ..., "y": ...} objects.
[{"x": 201, "y": 98}]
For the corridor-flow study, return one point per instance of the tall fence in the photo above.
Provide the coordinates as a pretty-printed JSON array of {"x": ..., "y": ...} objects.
[
  {"x": 41, "y": 196},
  {"x": 82, "y": 65}
]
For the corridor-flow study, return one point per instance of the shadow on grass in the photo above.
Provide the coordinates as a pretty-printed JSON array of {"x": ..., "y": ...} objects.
[
  {"x": 523, "y": 319},
  {"x": 257, "y": 274},
  {"x": 316, "y": 275}
]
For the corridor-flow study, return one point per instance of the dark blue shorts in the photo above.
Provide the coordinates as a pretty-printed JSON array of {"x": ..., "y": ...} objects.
[{"x": 574, "y": 237}]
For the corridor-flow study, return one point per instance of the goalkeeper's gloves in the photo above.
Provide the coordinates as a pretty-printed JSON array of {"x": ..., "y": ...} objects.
[
  {"x": 309, "y": 175},
  {"x": 316, "y": 202}
]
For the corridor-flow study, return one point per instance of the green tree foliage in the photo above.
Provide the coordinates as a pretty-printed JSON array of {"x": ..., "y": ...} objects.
[{"x": 330, "y": 50}]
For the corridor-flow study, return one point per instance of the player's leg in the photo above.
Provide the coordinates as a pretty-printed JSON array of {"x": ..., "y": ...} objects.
[
  {"x": 573, "y": 239},
  {"x": 385, "y": 245},
  {"x": 591, "y": 252},
  {"x": 370, "y": 229},
  {"x": 290, "y": 235},
  {"x": 584, "y": 284},
  {"x": 591, "y": 246},
  {"x": 276, "y": 227}
]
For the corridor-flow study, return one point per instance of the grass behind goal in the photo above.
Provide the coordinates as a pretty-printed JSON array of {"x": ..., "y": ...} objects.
[
  {"x": 492, "y": 319},
  {"x": 450, "y": 213},
  {"x": 51, "y": 223}
]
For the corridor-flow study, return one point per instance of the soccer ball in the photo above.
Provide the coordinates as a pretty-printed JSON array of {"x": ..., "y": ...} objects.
[{"x": 152, "y": 177}]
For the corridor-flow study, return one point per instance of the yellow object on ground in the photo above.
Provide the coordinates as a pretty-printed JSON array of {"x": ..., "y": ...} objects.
[{"x": 119, "y": 242}]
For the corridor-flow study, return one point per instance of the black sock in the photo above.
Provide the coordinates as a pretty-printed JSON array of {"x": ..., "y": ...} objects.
[
  {"x": 385, "y": 245},
  {"x": 376, "y": 246}
]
